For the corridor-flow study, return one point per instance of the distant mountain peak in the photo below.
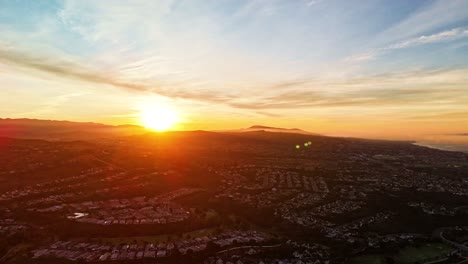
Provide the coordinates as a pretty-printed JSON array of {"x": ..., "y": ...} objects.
[
  {"x": 268, "y": 127},
  {"x": 258, "y": 128}
]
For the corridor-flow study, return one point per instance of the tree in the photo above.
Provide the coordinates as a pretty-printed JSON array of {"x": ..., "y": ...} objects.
[
  {"x": 389, "y": 260},
  {"x": 212, "y": 247}
]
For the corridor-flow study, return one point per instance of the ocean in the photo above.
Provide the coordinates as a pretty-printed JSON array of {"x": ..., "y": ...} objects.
[{"x": 450, "y": 143}]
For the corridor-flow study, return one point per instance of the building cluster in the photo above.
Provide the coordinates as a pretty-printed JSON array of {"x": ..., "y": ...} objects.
[
  {"x": 394, "y": 238},
  {"x": 138, "y": 210},
  {"x": 86, "y": 251},
  {"x": 12, "y": 229},
  {"x": 130, "y": 211},
  {"x": 350, "y": 231},
  {"x": 10, "y": 226},
  {"x": 299, "y": 201},
  {"x": 434, "y": 209},
  {"x": 307, "y": 220},
  {"x": 402, "y": 171},
  {"x": 422, "y": 182},
  {"x": 28, "y": 157},
  {"x": 51, "y": 199},
  {"x": 52, "y": 186},
  {"x": 337, "y": 207},
  {"x": 285, "y": 179},
  {"x": 257, "y": 260},
  {"x": 299, "y": 253},
  {"x": 326, "y": 197},
  {"x": 271, "y": 186}
]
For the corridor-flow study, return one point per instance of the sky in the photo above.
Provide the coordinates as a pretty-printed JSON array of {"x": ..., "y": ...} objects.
[{"x": 369, "y": 68}]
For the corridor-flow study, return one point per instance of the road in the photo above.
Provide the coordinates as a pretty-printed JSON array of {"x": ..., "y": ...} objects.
[
  {"x": 245, "y": 247},
  {"x": 440, "y": 234}
]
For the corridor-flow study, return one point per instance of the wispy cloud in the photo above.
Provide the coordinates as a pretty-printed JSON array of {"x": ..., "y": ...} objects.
[
  {"x": 435, "y": 115},
  {"x": 67, "y": 69},
  {"x": 50, "y": 106},
  {"x": 438, "y": 37},
  {"x": 430, "y": 17},
  {"x": 448, "y": 35},
  {"x": 253, "y": 58},
  {"x": 313, "y": 2},
  {"x": 420, "y": 89}
]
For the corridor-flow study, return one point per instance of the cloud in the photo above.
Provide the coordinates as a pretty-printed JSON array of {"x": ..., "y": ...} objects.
[
  {"x": 408, "y": 89},
  {"x": 313, "y": 2},
  {"x": 51, "y": 105},
  {"x": 268, "y": 114},
  {"x": 434, "y": 116},
  {"x": 418, "y": 88},
  {"x": 67, "y": 69},
  {"x": 448, "y": 35},
  {"x": 371, "y": 55},
  {"x": 438, "y": 37},
  {"x": 263, "y": 58},
  {"x": 431, "y": 17}
]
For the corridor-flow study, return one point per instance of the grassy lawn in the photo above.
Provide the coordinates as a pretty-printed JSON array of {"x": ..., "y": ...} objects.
[
  {"x": 423, "y": 252},
  {"x": 368, "y": 259},
  {"x": 210, "y": 214}
]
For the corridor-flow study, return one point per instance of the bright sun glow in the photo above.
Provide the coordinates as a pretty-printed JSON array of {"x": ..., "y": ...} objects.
[{"x": 158, "y": 117}]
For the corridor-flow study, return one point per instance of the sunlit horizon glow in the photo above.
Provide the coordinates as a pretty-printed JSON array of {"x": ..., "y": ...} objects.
[
  {"x": 378, "y": 69},
  {"x": 158, "y": 117}
]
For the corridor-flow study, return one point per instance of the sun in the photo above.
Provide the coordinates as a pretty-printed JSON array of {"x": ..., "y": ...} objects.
[{"x": 158, "y": 117}]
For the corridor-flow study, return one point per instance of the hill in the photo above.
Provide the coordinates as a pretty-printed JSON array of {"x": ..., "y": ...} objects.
[
  {"x": 63, "y": 130},
  {"x": 273, "y": 129},
  {"x": 67, "y": 130}
]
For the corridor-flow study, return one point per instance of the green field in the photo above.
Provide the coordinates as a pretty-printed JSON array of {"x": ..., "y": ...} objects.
[
  {"x": 368, "y": 259},
  {"x": 412, "y": 254},
  {"x": 211, "y": 214},
  {"x": 424, "y": 252}
]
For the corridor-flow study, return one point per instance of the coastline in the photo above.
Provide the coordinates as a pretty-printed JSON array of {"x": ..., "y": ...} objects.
[{"x": 444, "y": 146}]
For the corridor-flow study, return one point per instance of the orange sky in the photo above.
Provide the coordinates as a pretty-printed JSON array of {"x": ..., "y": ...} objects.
[{"x": 329, "y": 67}]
